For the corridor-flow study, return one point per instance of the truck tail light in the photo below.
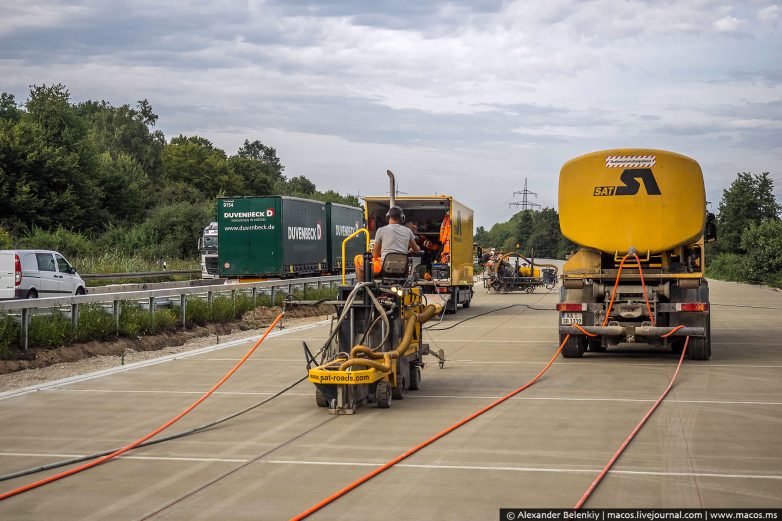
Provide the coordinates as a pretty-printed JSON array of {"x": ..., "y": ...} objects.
[
  {"x": 17, "y": 270},
  {"x": 571, "y": 307},
  {"x": 442, "y": 290},
  {"x": 692, "y": 306}
]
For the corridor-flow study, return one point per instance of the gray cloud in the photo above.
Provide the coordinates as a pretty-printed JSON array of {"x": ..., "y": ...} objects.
[{"x": 515, "y": 87}]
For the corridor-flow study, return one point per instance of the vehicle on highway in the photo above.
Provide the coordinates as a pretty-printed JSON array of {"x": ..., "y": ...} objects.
[
  {"x": 279, "y": 236},
  {"x": 207, "y": 247},
  {"x": 37, "y": 273}
]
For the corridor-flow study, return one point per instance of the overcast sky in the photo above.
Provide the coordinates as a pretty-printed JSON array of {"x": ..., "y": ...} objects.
[{"x": 467, "y": 98}]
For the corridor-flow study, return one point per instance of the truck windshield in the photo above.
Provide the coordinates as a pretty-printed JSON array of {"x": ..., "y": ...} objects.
[{"x": 210, "y": 242}]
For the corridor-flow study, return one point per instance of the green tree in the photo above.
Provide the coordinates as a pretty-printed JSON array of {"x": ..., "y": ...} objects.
[
  {"x": 481, "y": 237},
  {"x": 47, "y": 166},
  {"x": 175, "y": 228},
  {"x": 260, "y": 152},
  {"x": 525, "y": 227},
  {"x": 196, "y": 161},
  {"x": 124, "y": 130},
  {"x": 257, "y": 177},
  {"x": 748, "y": 200},
  {"x": 8, "y": 108},
  {"x": 763, "y": 244},
  {"x": 123, "y": 183},
  {"x": 545, "y": 237},
  {"x": 300, "y": 185}
]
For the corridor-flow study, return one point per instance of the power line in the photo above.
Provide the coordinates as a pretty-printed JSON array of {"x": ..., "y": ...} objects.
[{"x": 525, "y": 204}]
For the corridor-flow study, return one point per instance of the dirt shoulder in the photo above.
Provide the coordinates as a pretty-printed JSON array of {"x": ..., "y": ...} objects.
[{"x": 45, "y": 365}]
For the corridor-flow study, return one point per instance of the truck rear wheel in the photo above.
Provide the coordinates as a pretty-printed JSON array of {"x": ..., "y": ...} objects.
[
  {"x": 699, "y": 348},
  {"x": 574, "y": 346}
]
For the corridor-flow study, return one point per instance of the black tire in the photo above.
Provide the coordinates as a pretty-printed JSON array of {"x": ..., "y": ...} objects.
[
  {"x": 574, "y": 347},
  {"x": 466, "y": 303},
  {"x": 80, "y": 291},
  {"x": 595, "y": 345},
  {"x": 320, "y": 400},
  {"x": 699, "y": 348},
  {"x": 398, "y": 392},
  {"x": 32, "y": 294},
  {"x": 415, "y": 378},
  {"x": 383, "y": 395}
]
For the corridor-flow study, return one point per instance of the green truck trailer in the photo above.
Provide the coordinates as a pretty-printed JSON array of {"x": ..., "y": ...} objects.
[{"x": 278, "y": 236}]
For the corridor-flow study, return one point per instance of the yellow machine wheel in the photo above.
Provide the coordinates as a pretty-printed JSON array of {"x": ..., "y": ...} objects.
[{"x": 383, "y": 394}]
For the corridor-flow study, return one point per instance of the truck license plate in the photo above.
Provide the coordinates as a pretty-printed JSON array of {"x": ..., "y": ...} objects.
[{"x": 571, "y": 318}]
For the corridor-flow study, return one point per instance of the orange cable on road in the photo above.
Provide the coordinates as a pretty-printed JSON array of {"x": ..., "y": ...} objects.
[
  {"x": 155, "y": 432},
  {"x": 410, "y": 452},
  {"x": 637, "y": 428},
  {"x": 643, "y": 286}
]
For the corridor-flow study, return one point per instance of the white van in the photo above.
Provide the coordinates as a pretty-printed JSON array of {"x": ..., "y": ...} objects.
[{"x": 37, "y": 273}]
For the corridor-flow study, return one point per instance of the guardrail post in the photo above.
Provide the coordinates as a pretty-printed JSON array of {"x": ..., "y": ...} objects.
[
  {"x": 320, "y": 285},
  {"x": 271, "y": 305},
  {"x": 233, "y": 302},
  {"x": 209, "y": 299},
  {"x": 25, "y": 328},
  {"x": 117, "y": 308},
  {"x": 74, "y": 316},
  {"x": 255, "y": 292},
  {"x": 183, "y": 308},
  {"x": 290, "y": 289},
  {"x": 152, "y": 311},
  {"x": 304, "y": 292}
]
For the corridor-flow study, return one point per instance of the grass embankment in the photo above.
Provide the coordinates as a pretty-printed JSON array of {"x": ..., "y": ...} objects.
[
  {"x": 52, "y": 330},
  {"x": 738, "y": 268}
]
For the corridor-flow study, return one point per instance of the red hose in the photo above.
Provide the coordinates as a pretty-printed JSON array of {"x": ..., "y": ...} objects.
[
  {"x": 637, "y": 428},
  {"x": 93, "y": 463},
  {"x": 410, "y": 452}
]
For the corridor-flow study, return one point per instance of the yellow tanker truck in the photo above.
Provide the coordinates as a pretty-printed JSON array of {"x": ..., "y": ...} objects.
[{"x": 647, "y": 207}]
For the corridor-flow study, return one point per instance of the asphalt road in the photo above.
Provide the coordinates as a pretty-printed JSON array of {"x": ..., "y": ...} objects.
[{"x": 715, "y": 442}]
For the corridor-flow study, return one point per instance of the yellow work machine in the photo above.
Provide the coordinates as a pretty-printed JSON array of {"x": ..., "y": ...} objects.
[
  {"x": 639, "y": 217},
  {"x": 375, "y": 350}
]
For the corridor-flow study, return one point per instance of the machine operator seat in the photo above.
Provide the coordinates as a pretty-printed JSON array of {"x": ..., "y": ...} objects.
[{"x": 394, "y": 267}]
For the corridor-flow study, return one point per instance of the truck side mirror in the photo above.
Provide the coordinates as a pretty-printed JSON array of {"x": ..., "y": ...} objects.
[{"x": 710, "y": 231}]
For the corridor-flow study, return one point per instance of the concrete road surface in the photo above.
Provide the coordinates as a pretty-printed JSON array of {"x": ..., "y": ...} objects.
[{"x": 715, "y": 442}]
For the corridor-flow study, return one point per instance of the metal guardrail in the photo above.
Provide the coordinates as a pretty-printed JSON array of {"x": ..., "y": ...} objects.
[
  {"x": 24, "y": 306},
  {"x": 138, "y": 275}
]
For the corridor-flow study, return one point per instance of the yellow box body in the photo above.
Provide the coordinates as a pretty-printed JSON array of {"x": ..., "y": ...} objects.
[
  {"x": 648, "y": 199},
  {"x": 461, "y": 227}
]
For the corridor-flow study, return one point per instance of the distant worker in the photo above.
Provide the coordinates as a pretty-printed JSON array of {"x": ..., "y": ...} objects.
[
  {"x": 445, "y": 239},
  {"x": 391, "y": 238}
]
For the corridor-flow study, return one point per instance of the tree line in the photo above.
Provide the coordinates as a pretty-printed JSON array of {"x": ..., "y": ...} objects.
[
  {"x": 90, "y": 176},
  {"x": 528, "y": 232},
  {"x": 749, "y": 233}
]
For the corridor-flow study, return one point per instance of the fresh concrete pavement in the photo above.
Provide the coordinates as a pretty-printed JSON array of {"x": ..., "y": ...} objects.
[{"x": 715, "y": 442}]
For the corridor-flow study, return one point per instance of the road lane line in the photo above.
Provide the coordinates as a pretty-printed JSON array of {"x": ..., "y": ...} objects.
[
  {"x": 146, "y": 363},
  {"x": 565, "y": 470},
  {"x": 428, "y": 396}
]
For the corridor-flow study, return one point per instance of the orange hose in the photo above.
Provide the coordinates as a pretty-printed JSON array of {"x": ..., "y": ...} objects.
[
  {"x": 410, "y": 452},
  {"x": 627, "y": 441},
  {"x": 643, "y": 285},
  {"x": 672, "y": 331},
  {"x": 613, "y": 291},
  {"x": 155, "y": 432},
  {"x": 587, "y": 333}
]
